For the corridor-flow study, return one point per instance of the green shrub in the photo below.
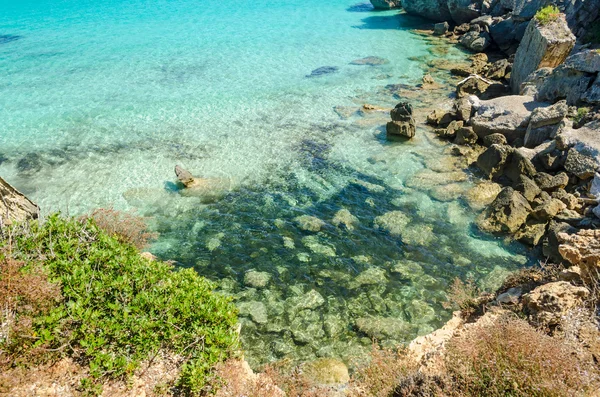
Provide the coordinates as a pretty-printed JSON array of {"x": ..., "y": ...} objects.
[
  {"x": 547, "y": 14},
  {"x": 118, "y": 308}
]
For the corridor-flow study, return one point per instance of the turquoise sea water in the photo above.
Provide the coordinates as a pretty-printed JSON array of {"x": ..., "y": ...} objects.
[{"x": 100, "y": 100}]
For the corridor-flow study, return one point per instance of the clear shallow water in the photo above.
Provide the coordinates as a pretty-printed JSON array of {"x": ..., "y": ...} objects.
[{"x": 100, "y": 101}]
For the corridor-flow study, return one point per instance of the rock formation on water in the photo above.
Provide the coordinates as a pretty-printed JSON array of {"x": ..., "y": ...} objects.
[
  {"x": 14, "y": 206},
  {"x": 385, "y": 4},
  {"x": 403, "y": 123}
]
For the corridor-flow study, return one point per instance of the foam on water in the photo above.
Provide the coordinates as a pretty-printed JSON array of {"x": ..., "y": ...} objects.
[{"x": 101, "y": 99}]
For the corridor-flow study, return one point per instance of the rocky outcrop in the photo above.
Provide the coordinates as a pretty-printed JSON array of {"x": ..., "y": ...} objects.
[
  {"x": 385, "y": 4},
  {"x": 544, "y": 123},
  {"x": 549, "y": 303},
  {"x": 582, "y": 249},
  {"x": 436, "y": 10},
  {"x": 14, "y": 206},
  {"x": 463, "y": 11},
  {"x": 403, "y": 123},
  {"x": 507, "y": 115},
  {"x": 544, "y": 45}
]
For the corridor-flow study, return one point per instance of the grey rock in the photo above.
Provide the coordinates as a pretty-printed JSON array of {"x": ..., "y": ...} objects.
[
  {"x": 585, "y": 61},
  {"x": 498, "y": 69},
  {"x": 463, "y": 11},
  {"x": 544, "y": 123},
  {"x": 436, "y": 10},
  {"x": 518, "y": 165},
  {"x": 256, "y": 310},
  {"x": 580, "y": 165},
  {"x": 592, "y": 95},
  {"x": 563, "y": 82},
  {"x": 476, "y": 41},
  {"x": 403, "y": 111},
  {"x": 463, "y": 108},
  {"x": 510, "y": 297},
  {"x": 507, "y": 115},
  {"x": 542, "y": 46},
  {"x": 441, "y": 28},
  {"x": 307, "y": 327},
  {"x": 384, "y": 327}
]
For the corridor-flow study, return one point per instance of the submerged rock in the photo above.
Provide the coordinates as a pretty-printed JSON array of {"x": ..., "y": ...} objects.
[
  {"x": 256, "y": 310},
  {"x": 309, "y": 223},
  {"x": 371, "y": 276},
  {"x": 393, "y": 222},
  {"x": 322, "y": 71},
  {"x": 327, "y": 371},
  {"x": 482, "y": 194},
  {"x": 385, "y": 328},
  {"x": 257, "y": 279},
  {"x": 370, "y": 61},
  {"x": 344, "y": 217}
]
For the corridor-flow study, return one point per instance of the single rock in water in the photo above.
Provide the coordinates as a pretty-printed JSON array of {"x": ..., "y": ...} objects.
[
  {"x": 256, "y": 310},
  {"x": 309, "y": 223},
  {"x": 322, "y": 71},
  {"x": 370, "y": 61},
  {"x": 393, "y": 222},
  {"x": 32, "y": 162},
  {"x": 371, "y": 276},
  {"x": 494, "y": 279},
  {"x": 344, "y": 217},
  {"x": 419, "y": 234},
  {"x": 307, "y": 327},
  {"x": 326, "y": 371},
  {"x": 403, "y": 123},
  {"x": 440, "y": 29},
  {"x": 7, "y": 38},
  {"x": 288, "y": 243},
  {"x": 257, "y": 279},
  {"x": 207, "y": 188}
]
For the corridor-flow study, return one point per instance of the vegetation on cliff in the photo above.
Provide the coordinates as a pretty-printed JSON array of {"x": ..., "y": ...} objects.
[{"x": 70, "y": 289}]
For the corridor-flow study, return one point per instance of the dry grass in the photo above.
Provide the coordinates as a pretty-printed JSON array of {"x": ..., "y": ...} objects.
[
  {"x": 126, "y": 227},
  {"x": 464, "y": 296},
  {"x": 382, "y": 373},
  {"x": 25, "y": 293},
  {"x": 510, "y": 358}
]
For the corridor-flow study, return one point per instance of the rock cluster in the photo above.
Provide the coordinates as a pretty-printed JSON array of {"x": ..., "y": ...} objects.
[{"x": 403, "y": 123}]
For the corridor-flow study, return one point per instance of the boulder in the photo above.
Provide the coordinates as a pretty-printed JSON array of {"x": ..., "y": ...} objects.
[
  {"x": 582, "y": 249},
  {"x": 465, "y": 136},
  {"x": 440, "y": 118},
  {"x": 499, "y": 69},
  {"x": 403, "y": 123},
  {"x": 549, "y": 183},
  {"x": 507, "y": 115},
  {"x": 592, "y": 95},
  {"x": 507, "y": 32},
  {"x": 548, "y": 210},
  {"x": 544, "y": 45},
  {"x": 493, "y": 160},
  {"x": 436, "y": 10},
  {"x": 544, "y": 123},
  {"x": 14, "y": 206},
  {"x": 494, "y": 139},
  {"x": 256, "y": 279},
  {"x": 393, "y": 222},
  {"x": 563, "y": 82},
  {"x": 480, "y": 87},
  {"x": 527, "y": 187},
  {"x": 464, "y": 107},
  {"x": 580, "y": 165},
  {"x": 450, "y": 131},
  {"x": 482, "y": 194},
  {"x": 518, "y": 165},
  {"x": 581, "y": 14},
  {"x": 385, "y": 4},
  {"x": 549, "y": 303},
  {"x": 441, "y": 28},
  {"x": 463, "y": 11},
  {"x": 531, "y": 233},
  {"x": 506, "y": 214},
  {"x": 550, "y": 247},
  {"x": 476, "y": 41}
]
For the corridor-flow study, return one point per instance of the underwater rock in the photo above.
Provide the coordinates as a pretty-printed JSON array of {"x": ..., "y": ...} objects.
[
  {"x": 494, "y": 279},
  {"x": 323, "y": 70},
  {"x": 420, "y": 312},
  {"x": 345, "y": 112},
  {"x": 31, "y": 163},
  {"x": 326, "y": 371},
  {"x": 379, "y": 327},
  {"x": 407, "y": 269},
  {"x": 371, "y": 276},
  {"x": 393, "y": 222},
  {"x": 256, "y": 279},
  {"x": 371, "y": 187},
  {"x": 312, "y": 243},
  {"x": 208, "y": 188},
  {"x": 307, "y": 327},
  {"x": 309, "y": 223},
  {"x": 419, "y": 234},
  {"x": 8, "y": 38},
  {"x": 310, "y": 300},
  {"x": 385, "y": 4},
  {"x": 426, "y": 179},
  {"x": 288, "y": 243},
  {"x": 334, "y": 325},
  {"x": 370, "y": 61},
  {"x": 344, "y": 217},
  {"x": 256, "y": 310}
]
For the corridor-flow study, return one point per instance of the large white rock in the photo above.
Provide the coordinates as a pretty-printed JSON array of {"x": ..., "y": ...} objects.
[{"x": 545, "y": 45}]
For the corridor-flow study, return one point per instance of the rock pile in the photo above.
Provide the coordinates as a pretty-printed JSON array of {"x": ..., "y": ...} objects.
[{"x": 403, "y": 123}]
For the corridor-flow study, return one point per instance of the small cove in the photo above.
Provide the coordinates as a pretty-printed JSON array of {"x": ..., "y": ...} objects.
[{"x": 223, "y": 91}]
